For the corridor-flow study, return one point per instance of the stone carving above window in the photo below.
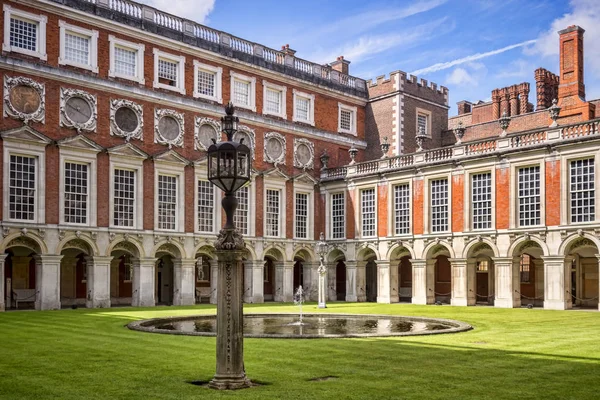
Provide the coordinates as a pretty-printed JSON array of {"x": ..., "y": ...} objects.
[
  {"x": 248, "y": 135},
  {"x": 24, "y": 99},
  {"x": 205, "y": 130},
  {"x": 168, "y": 127},
  {"x": 126, "y": 119},
  {"x": 304, "y": 154},
  {"x": 274, "y": 148},
  {"x": 78, "y": 110}
]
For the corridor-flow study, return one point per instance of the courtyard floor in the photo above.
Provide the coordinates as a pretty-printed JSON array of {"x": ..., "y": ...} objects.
[{"x": 510, "y": 354}]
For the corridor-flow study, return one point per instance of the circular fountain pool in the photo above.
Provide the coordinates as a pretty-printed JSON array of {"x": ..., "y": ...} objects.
[{"x": 312, "y": 326}]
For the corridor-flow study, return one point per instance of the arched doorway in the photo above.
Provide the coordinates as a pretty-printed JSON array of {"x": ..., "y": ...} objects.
[
  {"x": 302, "y": 273},
  {"x": 481, "y": 274},
  {"x": 298, "y": 274},
  {"x": 269, "y": 279},
  {"x": 529, "y": 267},
  {"x": 443, "y": 279},
  {"x": 20, "y": 274},
  {"x": 400, "y": 258},
  {"x": 122, "y": 273},
  {"x": 73, "y": 273},
  {"x": 273, "y": 275},
  {"x": 584, "y": 288},
  {"x": 340, "y": 280}
]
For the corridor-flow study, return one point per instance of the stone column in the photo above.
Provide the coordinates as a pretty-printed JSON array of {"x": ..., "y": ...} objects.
[
  {"x": 394, "y": 282},
  {"x": 460, "y": 282},
  {"x": 143, "y": 282},
  {"x": 98, "y": 282},
  {"x": 507, "y": 283},
  {"x": 258, "y": 281},
  {"x": 214, "y": 278},
  {"x": 598, "y": 257},
  {"x": 361, "y": 281},
  {"x": 47, "y": 282},
  {"x": 2, "y": 282},
  {"x": 184, "y": 285},
  {"x": 288, "y": 281},
  {"x": 472, "y": 281},
  {"x": 419, "y": 282},
  {"x": 330, "y": 282},
  {"x": 313, "y": 294},
  {"x": 278, "y": 281},
  {"x": 351, "y": 281},
  {"x": 247, "y": 289},
  {"x": 557, "y": 278},
  {"x": 430, "y": 279},
  {"x": 540, "y": 281},
  {"x": 306, "y": 280},
  {"x": 383, "y": 281}
]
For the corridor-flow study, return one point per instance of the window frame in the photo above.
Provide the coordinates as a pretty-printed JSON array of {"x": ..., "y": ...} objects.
[
  {"x": 427, "y": 209},
  {"x": 471, "y": 221},
  {"x": 569, "y": 193},
  {"x": 361, "y": 191},
  {"x": 79, "y": 157},
  {"x": 283, "y": 98},
  {"x": 40, "y": 19},
  {"x": 180, "y": 61},
  {"x": 218, "y": 71},
  {"x": 117, "y": 161},
  {"x": 139, "y": 48},
  {"x": 75, "y": 30},
  {"x": 304, "y": 188},
  {"x": 330, "y": 226},
  {"x": 251, "y": 81},
  {"x": 353, "y": 110},
  {"x": 541, "y": 195},
  {"x": 311, "y": 108},
  {"x": 201, "y": 174},
  {"x": 392, "y": 190},
  {"x": 281, "y": 187},
  {"x": 178, "y": 172},
  {"x": 427, "y": 114}
]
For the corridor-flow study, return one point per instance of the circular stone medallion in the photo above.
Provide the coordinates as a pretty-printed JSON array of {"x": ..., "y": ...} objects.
[
  {"x": 78, "y": 110},
  {"x": 168, "y": 127},
  {"x": 205, "y": 134},
  {"x": 274, "y": 148},
  {"x": 25, "y": 99},
  {"x": 126, "y": 119},
  {"x": 303, "y": 154},
  {"x": 242, "y": 135}
]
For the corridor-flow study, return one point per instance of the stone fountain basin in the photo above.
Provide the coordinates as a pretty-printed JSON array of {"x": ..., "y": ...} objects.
[{"x": 285, "y": 326}]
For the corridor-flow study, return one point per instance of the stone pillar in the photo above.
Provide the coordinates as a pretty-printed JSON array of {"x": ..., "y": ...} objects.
[
  {"x": 98, "y": 282},
  {"x": 460, "y": 282},
  {"x": 47, "y": 282},
  {"x": 472, "y": 281},
  {"x": 383, "y": 281},
  {"x": 184, "y": 285},
  {"x": 258, "y": 280},
  {"x": 507, "y": 283},
  {"x": 540, "y": 281},
  {"x": 307, "y": 280},
  {"x": 394, "y": 282},
  {"x": 557, "y": 278},
  {"x": 361, "y": 281},
  {"x": 430, "y": 279},
  {"x": 351, "y": 280},
  {"x": 143, "y": 282},
  {"x": 247, "y": 289},
  {"x": 314, "y": 278},
  {"x": 2, "y": 283},
  {"x": 331, "y": 281},
  {"x": 598, "y": 257},
  {"x": 278, "y": 281},
  {"x": 288, "y": 281},
  {"x": 214, "y": 278},
  {"x": 419, "y": 282}
]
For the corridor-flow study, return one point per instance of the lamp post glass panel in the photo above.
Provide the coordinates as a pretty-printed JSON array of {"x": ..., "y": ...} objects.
[
  {"x": 229, "y": 169},
  {"x": 322, "y": 270}
]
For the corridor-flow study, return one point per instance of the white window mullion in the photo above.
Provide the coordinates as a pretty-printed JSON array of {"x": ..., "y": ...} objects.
[
  {"x": 206, "y": 206},
  {"x": 439, "y": 205},
  {"x": 240, "y": 217},
  {"x": 402, "y": 209},
  {"x": 481, "y": 200},
  {"x": 338, "y": 218},
  {"x": 273, "y": 212},
  {"x": 367, "y": 207},
  {"x": 167, "y": 202},
  {"x": 24, "y": 32},
  {"x": 582, "y": 190},
  {"x": 124, "y": 189},
  {"x": 302, "y": 215},
  {"x": 529, "y": 196},
  {"x": 22, "y": 188},
  {"x": 76, "y": 193}
]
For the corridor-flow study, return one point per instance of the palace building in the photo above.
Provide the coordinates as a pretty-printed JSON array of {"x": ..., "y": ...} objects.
[{"x": 109, "y": 108}]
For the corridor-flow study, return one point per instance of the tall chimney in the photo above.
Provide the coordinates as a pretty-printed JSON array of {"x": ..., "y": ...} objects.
[
  {"x": 341, "y": 65},
  {"x": 571, "y": 63}
]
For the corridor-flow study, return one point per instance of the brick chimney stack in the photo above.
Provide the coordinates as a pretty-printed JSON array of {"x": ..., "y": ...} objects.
[
  {"x": 496, "y": 98},
  {"x": 464, "y": 107},
  {"x": 546, "y": 85},
  {"x": 286, "y": 50},
  {"x": 571, "y": 63},
  {"x": 341, "y": 65},
  {"x": 523, "y": 97}
]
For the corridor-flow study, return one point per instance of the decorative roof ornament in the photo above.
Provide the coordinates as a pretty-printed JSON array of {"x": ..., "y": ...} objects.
[
  {"x": 353, "y": 151},
  {"x": 554, "y": 111},
  {"x": 324, "y": 160},
  {"x": 459, "y": 132},
  {"x": 385, "y": 146},
  {"x": 420, "y": 139},
  {"x": 504, "y": 122}
]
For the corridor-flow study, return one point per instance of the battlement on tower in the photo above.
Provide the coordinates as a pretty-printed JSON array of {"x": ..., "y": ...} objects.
[{"x": 401, "y": 81}]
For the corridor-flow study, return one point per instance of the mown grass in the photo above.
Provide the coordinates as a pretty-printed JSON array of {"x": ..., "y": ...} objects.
[{"x": 511, "y": 354}]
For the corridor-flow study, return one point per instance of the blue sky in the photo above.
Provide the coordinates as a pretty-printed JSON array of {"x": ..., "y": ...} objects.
[{"x": 470, "y": 46}]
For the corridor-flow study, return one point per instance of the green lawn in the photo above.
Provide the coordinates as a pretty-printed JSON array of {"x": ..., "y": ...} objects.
[{"x": 511, "y": 354}]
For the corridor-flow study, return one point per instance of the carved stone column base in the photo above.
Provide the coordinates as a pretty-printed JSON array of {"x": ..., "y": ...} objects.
[{"x": 229, "y": 382}]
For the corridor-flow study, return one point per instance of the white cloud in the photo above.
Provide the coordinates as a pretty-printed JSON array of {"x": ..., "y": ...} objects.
[
  {"x": 517, "y": 69},
  {"x": 195, "y": 10},
  {"x": 460, "y": 76},
  {"x": 472, "y": 57},
  {"x": 586, "y": 14}
]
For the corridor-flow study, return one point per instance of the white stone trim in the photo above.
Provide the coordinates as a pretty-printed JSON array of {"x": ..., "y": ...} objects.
[
  {"x": 158, "y": 137},
  {"x": 391, "y": 219},
  {"x": 180, "y": 61},
  {"x": 275, "y": 184},
  {"x": 328, "y": 213},
  {"x": 580, "y": 153},
  {"x": 281, "y": 139},
  {"x": 138, "y": 133},
  {"x": 311, "y": 109},
  {"x": 311, "y": 147},
  {"x": 92, "y": 35},
  {"x": 283, "y": 93},
  {"x": 358, "y": 208},
  {"x": 427, "y": 202},
  {"x": 40, "y": 19},
  {"x": 218, "y": 71},
  {"x": 26, "y": 149},
  {"x": 65, "y": 95},
  {"x": 137, "y": 165},
  {"x": 89, "y": 158},
  {"x": 139, "y": 62},
  {"x": 354, "y": 111},
  {"x": 252, "y": 96},
  {"x": 252, "y": 135},
  {"x": 309, "y": 189},
  {"x": 9, "y": 111},
  {"x": 513, "y": 203},
  {"x": 165, "y": 168},
  {"x": 468, "y": 197},
  {"x": 201, "y": 173},
  {"x": 198, "y": 122},
  {"x": 428, "y": 114}
]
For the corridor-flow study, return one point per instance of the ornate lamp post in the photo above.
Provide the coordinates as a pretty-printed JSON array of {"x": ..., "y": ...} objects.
[
  {"x": 322, "y": 270},
  {"x": 229, "y": 169}
]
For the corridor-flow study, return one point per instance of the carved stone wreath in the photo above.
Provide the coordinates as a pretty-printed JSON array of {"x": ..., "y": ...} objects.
[
  {"x": 249, "y": 138},
  {"x": 168, "y": 127},
  {"x": 67, "y": 112},
  {"x": 304, "y": 154},
  {"x": 274, "y": 147},
  {"x": 24, "y": 99},
  {"x": 202, "y": 133},
  {"x": 122, "y": 113}
]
